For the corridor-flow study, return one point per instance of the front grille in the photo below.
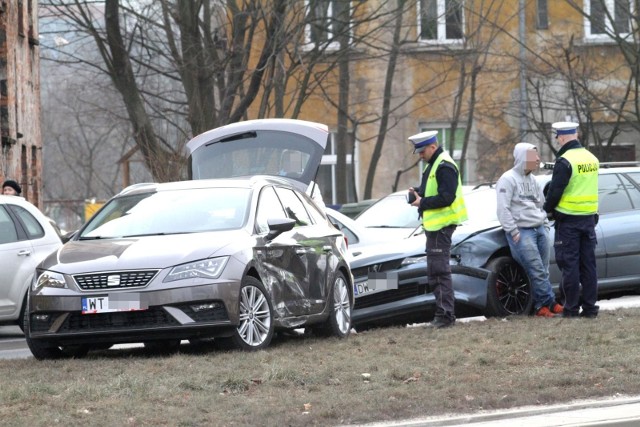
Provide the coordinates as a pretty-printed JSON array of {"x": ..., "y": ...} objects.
[
  {"x": 154, "y": 317},
  {"x": 151, "y": 318},
  {"x": 403, "y": 291},
  {"x": 376, "y": 268},
  {"x": 115, "y": 279}
]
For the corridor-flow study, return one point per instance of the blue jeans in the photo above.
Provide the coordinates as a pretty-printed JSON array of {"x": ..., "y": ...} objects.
[{"x": 532, "y": 253}]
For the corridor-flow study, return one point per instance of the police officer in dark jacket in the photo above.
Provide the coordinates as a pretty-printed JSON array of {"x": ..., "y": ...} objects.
[
  {"x": 572, "y": 200},
  {"x": 441, "y": 206}
]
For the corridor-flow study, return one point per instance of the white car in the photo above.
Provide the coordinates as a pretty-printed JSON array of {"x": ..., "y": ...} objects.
[
  {"x": 26, "y": 238},
  {"x": 359, "y": 238}
]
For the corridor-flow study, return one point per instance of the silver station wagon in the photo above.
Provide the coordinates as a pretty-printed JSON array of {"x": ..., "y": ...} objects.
[{"x": 230, "y": 259}]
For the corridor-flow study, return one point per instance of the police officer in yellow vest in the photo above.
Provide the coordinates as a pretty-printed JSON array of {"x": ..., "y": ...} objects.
[
  {"x": 572, "y": 200},
  {"x": 441, "y": 207}
]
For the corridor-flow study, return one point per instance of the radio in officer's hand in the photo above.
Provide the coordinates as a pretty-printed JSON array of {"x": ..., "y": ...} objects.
[{"x": 411, "y": 196}]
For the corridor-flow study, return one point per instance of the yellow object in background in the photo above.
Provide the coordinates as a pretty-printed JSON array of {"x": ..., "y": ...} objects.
[{"x": 90, "y": 207}]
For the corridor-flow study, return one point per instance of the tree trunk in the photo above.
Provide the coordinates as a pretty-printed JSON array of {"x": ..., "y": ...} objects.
[{"x": 156, "y": 159}]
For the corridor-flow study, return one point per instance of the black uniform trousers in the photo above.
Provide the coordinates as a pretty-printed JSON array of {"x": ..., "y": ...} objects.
[
  {"x": 439, "y": 270},
  {"x": 575, "y": 242}
]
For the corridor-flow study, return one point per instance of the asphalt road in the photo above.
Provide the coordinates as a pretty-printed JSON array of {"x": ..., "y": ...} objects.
[{"x": 14, "y": 346}]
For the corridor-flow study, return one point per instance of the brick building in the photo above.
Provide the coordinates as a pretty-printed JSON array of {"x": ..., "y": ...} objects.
[{"x": 20, "y": 157}]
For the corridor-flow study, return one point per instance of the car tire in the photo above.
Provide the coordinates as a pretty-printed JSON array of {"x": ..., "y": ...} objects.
[
  {"x": 45, "y": 350},
  {"x": 255, "y": 330},
  {"x": 41, "y": 350},
  {"x": 339, "y": 321},
  {"x": 510, "y": 293},
  {"x": 21, "y": 318}
]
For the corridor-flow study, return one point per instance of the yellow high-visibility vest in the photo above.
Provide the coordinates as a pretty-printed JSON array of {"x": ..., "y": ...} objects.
[
  {"x": 456, "y": 213},
  {"x": 580, "y": 197}
]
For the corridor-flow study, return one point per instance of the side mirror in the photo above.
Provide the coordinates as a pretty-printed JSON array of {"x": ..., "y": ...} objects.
[{"x": 278, "y": 226}]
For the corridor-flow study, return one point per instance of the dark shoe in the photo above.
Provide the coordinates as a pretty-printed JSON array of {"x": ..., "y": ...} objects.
[
  {"x": 556, "y": 308},
  {"x": 588, "y": 315},
  {"x": 570, "y": 315},
  {"x": 545, "y": 312},
  {"x": 441, "y": 322}
]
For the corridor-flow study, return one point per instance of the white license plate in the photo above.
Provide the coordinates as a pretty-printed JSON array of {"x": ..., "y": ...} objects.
[
  {"x": 376, "y": 282},
  {"x": 112, "y": 302}
]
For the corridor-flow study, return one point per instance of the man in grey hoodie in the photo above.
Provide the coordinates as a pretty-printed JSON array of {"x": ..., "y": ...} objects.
[{"x": 520, "y": 200}]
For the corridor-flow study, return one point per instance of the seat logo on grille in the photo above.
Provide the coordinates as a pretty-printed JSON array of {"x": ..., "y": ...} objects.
[{"x": 113, "y": 280}]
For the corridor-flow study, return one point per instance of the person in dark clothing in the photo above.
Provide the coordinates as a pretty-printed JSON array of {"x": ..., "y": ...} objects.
[
  {"x": 11, "y": 188},
  {"x": 572, "y": 200},
  {"x": 441, "y": 206}
]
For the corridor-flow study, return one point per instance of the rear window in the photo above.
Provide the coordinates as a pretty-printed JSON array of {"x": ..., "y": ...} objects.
[{"x": 257, "y": 153}]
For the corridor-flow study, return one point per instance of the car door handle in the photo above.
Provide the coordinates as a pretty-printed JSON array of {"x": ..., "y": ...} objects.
[
  {"x": 301, "y": 251},
  {"x": 327, "y": 248},
  {"x": 25, "y": 252}
]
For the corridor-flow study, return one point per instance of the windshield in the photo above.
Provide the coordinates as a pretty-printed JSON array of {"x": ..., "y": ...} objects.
[
  {"x": 391, "y": 211},
  {"x": 171, "y": 212},
  {"x": 481, "y": 205}
]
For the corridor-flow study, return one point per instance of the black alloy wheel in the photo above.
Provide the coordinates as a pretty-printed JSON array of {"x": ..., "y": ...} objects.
[{"x": 511, "y": 293}]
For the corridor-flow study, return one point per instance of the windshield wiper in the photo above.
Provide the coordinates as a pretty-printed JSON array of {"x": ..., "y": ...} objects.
[
  {"x": 92, "y": 237},
  {"x": 156, "y": 234}
]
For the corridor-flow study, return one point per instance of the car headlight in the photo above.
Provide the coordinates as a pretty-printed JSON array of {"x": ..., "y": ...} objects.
[
  {"x": 49, "y": 279},
  {"x": 210, "y": 268},
  {"x": 413, "y": 260}
]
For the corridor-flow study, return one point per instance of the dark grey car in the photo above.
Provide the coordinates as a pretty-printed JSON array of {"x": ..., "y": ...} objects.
[
  {"x": 392, "y": 285},
  {"x": 232, "y": 259}
]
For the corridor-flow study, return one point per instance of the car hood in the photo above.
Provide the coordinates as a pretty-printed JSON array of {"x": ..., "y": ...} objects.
[
  {"x": 469, "y": 229},
  {"x": 374, "y": 254},
  {"x": 257, "y": 147},
  {"x": 414, "y": 245},
  {"x": 81, "y": 256}
]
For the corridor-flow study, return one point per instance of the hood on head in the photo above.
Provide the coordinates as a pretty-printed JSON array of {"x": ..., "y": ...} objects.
[{"x": 520, "y": 155}]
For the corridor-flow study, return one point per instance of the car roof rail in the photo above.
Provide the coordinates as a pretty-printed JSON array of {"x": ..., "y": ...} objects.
[
  {"x": 603, "y": 165},
  {"x": 489, "y": 184},
  {"x": 619, "y": 164}
]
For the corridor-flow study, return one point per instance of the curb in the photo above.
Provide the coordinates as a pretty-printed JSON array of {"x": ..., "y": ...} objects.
[{"x": 514, "y": 414}]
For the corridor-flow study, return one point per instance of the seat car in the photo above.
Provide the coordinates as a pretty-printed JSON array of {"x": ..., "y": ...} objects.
[
  {"x": 229, "y": 259},
  {"x": 391, "y": 285},
  {"x": 26, "y": 238}
]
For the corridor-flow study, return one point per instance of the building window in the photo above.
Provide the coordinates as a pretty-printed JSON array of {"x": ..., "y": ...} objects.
[
  {"x": 605, "y": 18},
  {"x": 446, "y": 140},
  {"x": 441, "y": 21},
  {"x": 326, "y": 178},
  {"x": 324, "y": 22},
  {"x": 20, "y": 19},
  {"x": 542, "y": 15},
  {"x": 24, "y": 169},
  {"x": 35, "y": 176}
]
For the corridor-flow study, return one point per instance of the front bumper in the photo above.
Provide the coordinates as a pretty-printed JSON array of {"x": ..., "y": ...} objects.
[
  {"x": 412, "y": 298},
  {"x": 178, "y": 313}
]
